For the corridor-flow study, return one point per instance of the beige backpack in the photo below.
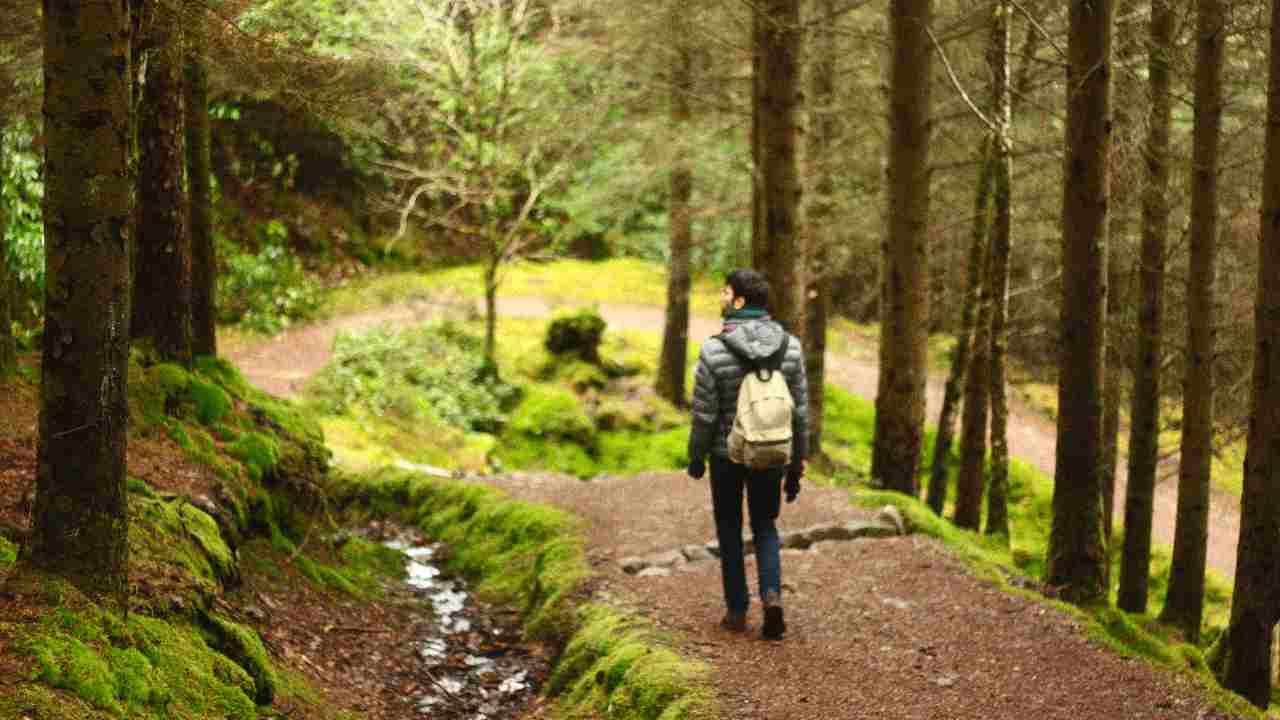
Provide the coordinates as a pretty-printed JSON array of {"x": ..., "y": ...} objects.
[{"x": 761, "y": 434}]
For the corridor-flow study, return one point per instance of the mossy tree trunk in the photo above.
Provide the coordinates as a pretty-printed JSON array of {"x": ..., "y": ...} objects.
[
  {"x": 1076, "y": 561},
  {"x": 673, "y": 357},
  {"x": 1256, "y": 599},
  {"x": 1184, "y": 605},
  {"x": 1001, "y": 254},
  {"x": 1111, "y": 396},
  {"x": 1144, "y": 416},
  {"x": 204, "y": 258},
  {"x": 940, "y": 473},
  {"x": 162, "y": 280},
  {"x": 971, "y": 480},
  {"x": 779, "y": 111},
  {"x": 80, "y": 519},
  {"x": 904, "y": 312},
  {"x": 823, "y": 127}
]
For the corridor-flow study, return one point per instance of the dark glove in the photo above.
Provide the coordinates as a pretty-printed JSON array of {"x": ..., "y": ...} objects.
[
  {"x": 697, "y": 468},
  {"x": 792, "y": 486}
]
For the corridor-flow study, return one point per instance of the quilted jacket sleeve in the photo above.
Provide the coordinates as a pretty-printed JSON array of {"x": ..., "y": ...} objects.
[
  {"x": 798, "y": 384},
  {"x": 706, "y": 408}
]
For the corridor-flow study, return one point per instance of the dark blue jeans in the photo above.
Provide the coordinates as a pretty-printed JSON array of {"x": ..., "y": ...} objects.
[{"x": 764, "y": 500}]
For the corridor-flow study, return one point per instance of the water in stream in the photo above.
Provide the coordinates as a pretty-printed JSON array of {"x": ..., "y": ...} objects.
[{"x": 472, "y": 666}]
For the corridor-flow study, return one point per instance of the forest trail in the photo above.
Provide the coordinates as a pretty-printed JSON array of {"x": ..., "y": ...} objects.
[{"x": 282, "y": 364}]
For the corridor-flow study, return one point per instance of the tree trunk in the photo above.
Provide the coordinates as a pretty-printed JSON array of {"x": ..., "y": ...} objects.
[
  {"x": 162, "y": 281},
  {"x": 80, "y": 519},
  {"x": 905, "y": 311},
  {"x": 204, "y": 258},
  {"x": 1111, "y": 391},
  {"x": 8, "y": 345},
  {"x": 1257, "y": 587},
  {"x": 1184, "y": 604},
  {"x": 940, "y": 473},
  {"x": 821, "y": 143},
  {"x": 491, "y": 316},
  {"x": 675, "y": 336},
  {"x": 759, "y": 241},
  {"x": 1144, "y": 420},
  {"x": 779, "y": 107},
  {"x": 1001, "y": 252},
  {"x": 970, "y": 481},
  {"x": 1075, "y": 561}
]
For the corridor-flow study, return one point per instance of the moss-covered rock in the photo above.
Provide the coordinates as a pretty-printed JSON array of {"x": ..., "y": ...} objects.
[
  {"x": 578, "y": 334},
  {"x": 245, "y": 648},
  {"x": 212, "y": 403},
  {"x": 168, "y": 535},
  {"x": 8, "y": 552},
  {"x": 259, "y": 452}
]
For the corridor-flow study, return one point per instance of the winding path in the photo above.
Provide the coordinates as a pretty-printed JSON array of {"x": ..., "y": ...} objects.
[{"x": 282, "y": 364}]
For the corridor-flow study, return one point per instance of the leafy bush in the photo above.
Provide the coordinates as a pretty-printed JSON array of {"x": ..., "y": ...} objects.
[
  {"x": 434, "y": 370},
  {"x": 266, "y": 291}
]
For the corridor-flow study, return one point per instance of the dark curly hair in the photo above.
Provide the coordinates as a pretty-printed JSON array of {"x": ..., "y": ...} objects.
[{"x": 751, "y": 286}]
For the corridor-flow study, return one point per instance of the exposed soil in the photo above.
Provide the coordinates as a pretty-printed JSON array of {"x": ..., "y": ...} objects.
[{"x": 892, "y": 628}]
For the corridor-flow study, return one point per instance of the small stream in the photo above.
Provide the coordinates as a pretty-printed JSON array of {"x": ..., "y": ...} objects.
[{"x": 472, "y": 665}]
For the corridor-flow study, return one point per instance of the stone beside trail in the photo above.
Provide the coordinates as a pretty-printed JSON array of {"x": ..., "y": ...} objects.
[{"x": 888, "y": 628}]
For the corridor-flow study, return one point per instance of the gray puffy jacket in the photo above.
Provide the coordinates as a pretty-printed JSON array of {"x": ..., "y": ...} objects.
[{"x": 720, "y": 373}]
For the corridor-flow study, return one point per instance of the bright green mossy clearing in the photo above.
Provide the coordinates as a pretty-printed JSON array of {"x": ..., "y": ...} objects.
[
  {"x": 630, "y": 282},
  {"x": 142, "y": 667}
]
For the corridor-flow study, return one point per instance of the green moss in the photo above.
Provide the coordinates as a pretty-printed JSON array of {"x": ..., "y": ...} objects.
[
  {"x": 243, "y": 646},
  {"x": 8, "y": 552},
  {"x": 141, "y": 667},
  {"x": 260, "y": 453},
  {"x": 165, "y": 536},
  {"x": 550, "y": 411},
  {"x": 618, "y": 666},
  {"x": 635, "y": 452},
  {"x": 212, "y": 403},
  {"x": 224, "y": 374}
]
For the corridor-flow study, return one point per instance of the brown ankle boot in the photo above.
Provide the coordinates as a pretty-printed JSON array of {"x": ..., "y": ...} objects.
[
  {"x": 774, "y": 624},
  {"x": 735, "y": 622}
]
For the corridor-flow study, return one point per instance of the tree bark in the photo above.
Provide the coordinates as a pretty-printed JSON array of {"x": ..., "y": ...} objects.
[
  {"x": 779, "y": 108},
  {"x": 491, "y": 316},
  {"x": 80, "y": 518},
  {"x": 1184, "y": 605},
  {"x": 822, "y": 236},
  {"x": 940, "y": 473},
  {"x": 970, "y": 481},
  {"x": 162, "y": 281},
  {"x": 1075, "y": 562},
  {"x": 204, "y": 258},
  {"x": 759, "y": 241},
  {"x": 905, "y": 309},
  {"x": 1111, "y": 391},
  {"x": 1144, "y": 417},
  {"x": 1001, "y": 252},
  {"x": 1257, "y": 586},
  {"x": 675, "y": 335},
  {"x": 8, "y": 345}
]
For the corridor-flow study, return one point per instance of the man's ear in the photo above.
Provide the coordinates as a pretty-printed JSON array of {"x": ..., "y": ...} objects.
[{"x": 739, "y": 303}]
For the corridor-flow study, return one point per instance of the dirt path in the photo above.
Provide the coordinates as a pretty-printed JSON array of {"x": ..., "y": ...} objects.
[
  {"x": 892, "y": 628},
  {"x": 281, "y": 365}
]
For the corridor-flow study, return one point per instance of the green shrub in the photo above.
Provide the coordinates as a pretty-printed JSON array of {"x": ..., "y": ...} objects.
[
  {"x": 266, "y": 291},
  {"x": 553, "y": 412},
  {"x": 433, "y": 370}
]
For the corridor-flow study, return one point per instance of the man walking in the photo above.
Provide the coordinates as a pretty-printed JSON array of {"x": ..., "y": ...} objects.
[{"x": 751, "y": 343}]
